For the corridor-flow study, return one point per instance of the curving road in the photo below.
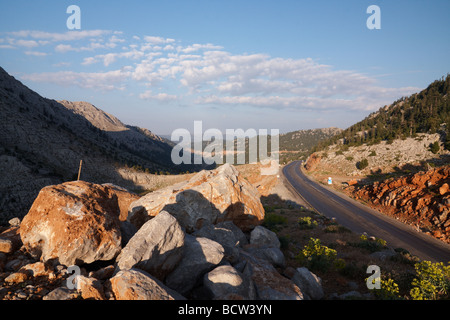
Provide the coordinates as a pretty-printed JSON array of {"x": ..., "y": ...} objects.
[{"x": 360, "y": 218}]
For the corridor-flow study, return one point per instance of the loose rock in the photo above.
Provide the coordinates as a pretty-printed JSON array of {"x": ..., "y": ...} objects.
[
  {"x": 74, "y": 222},
  {"x": 155, "y": 248},
  {"x": 136, "y": 284}
]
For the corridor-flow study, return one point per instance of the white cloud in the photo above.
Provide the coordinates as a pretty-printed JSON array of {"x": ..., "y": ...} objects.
[
  {"x": 36, "y": 53},
  {"x": 169, "y": 47},
  {"x": 105, "y": 81},
  {"x": 161, "y": 97},
  {"x": 62, "y": 64},
  {"x": 26, "y": 43},
  {"x": 197, "y": 47},
  {"x": 63, "y": 48},
  {"x": 157, "y": 40}
]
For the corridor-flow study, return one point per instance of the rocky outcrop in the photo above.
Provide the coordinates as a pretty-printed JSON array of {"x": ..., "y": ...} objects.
[
  {"x": 312, "y": 162},
  {"x": 421, "y": 199},
  {"x": 75, "y": 226},
  {"x": 385, "y": 157},
  {"x": 208, "y": 197}
]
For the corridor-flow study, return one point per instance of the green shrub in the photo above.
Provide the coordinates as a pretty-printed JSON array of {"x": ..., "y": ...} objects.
[
  {"x": 316, "y": 256},
  {"x": 388, "y": 291},
  {"x": 364, "y": 163},
  {"x": 432, "y": 281},
  {"x": 334, "y": 228},
  {"x": 353, "y": 271},
  {"x": 307, "y": 223},
  {"x": 370, "y": 245},
  {"x": 434, "y": 147},
  {"x": 372, "y": 154},
  {"x": 272, "y": 221}
]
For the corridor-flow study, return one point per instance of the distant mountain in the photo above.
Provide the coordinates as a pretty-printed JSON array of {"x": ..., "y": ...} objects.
[
  {"x": 426, "y": 112},
  {"x": 292, "y": 146},
  {"x": 305, "y": 140},
  {"x": 298, "y": 144},
  {"x": 137, "y": 140},
  {"x": 42, "y": 142}
]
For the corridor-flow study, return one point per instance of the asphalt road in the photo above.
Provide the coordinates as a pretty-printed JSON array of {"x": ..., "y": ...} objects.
[{"x": 360, "y": 218}]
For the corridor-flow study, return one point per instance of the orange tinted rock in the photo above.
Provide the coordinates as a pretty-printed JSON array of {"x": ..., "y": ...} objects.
[
  {"x": 312, "y": 162},
  {"x": 443, "y": 189},
  {"x": 74, "y": 222},
  {"x": 415, "y": 198}
]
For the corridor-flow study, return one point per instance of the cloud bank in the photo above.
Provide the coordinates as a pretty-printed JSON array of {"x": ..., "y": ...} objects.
[{"x": 170, "y": 71}]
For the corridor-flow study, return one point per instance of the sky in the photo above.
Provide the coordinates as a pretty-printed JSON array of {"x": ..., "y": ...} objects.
[{"x": 259, "y": 64}]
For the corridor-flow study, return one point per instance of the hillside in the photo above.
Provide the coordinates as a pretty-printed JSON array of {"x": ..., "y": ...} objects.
[
  {"x": 42, "y": 142},
  {"x": 407, "y": 136},
  {"x": 298, "y": 144},
  {"x": 396, "y": 160},
  {"x": 425, "y": 112}
]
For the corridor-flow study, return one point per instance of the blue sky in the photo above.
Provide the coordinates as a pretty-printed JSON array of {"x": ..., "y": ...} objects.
[{"x": 284, "y": 65}]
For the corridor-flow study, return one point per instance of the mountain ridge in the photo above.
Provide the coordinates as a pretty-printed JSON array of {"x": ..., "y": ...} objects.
[{"x": 42, "y": 142}]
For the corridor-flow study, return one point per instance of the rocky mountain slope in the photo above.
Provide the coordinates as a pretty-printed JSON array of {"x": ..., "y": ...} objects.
[
  {"x": 425, "y": 112},
  {"x": 396, "y": 160},
  {"x": 42, "y": 142},
  {"x": 299, "y": 144},
  {"x": 178, "y": 254},
  {"x": 305, "y": 140},
  {"x": 394, "y": 157},
  {"x": 139, "y": 140}
]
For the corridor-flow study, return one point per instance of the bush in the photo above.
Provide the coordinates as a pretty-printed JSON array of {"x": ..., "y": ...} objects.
[
  {"x": 370, "y": 245},
  {"x": 388, "y": 291},
  {"x": 307, "y": 223},
  {"x": 364, "y": 163},
  {"x": 434, "y": 147},
  {"x": 336, "y": 228},
  {"x": 316, "y": 256},
  {"x": 432, "y": 281},
  {"x": 272, "y": 221}
]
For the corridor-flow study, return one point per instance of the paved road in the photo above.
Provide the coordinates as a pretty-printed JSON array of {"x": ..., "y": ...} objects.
[{"x": 360, "y": 218}]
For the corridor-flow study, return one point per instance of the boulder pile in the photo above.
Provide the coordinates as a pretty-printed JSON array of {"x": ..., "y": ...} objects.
[
  {"x": 200, "y": 239},
  {"x": 421, "y": 199}
]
